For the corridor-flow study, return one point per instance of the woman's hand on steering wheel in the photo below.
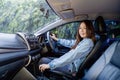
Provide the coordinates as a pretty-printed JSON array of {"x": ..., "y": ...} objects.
[
  {"x": 54, "y": 37},
  {"x": 51, "y": 41}
]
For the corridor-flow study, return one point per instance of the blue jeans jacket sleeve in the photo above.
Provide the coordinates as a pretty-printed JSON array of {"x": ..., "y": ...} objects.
[
  {"x": 66, "y": 43},
  {"x": 82, "y": 50}
]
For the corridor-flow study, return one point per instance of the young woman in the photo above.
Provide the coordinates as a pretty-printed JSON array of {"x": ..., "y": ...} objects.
[{"x": 80, "y": 48}]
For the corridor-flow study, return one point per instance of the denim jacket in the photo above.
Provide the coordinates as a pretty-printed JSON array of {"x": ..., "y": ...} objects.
[{"x": 74, "y": 57}]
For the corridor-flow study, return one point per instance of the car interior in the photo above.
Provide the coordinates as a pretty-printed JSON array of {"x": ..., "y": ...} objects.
[{"x": 20, "y": 52}]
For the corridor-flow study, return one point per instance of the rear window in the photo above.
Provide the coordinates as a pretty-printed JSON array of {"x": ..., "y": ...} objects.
[{"x": 113, "y": 28}]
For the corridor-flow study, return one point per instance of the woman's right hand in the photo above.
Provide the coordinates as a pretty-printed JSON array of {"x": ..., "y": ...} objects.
[
  {"x": 54, "y": 37},
  {"x": 43, "y": 67}
]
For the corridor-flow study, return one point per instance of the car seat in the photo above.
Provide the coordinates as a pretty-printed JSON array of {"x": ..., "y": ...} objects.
[{"x": 107, "y": 67}]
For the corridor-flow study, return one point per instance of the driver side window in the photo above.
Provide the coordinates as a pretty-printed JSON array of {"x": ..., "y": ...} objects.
[{"x": 66, "y": 31}]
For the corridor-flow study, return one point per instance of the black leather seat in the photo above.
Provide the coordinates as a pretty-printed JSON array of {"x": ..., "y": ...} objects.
[{"x": 107, "y": 67}]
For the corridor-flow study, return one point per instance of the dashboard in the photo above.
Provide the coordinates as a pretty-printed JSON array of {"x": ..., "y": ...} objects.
[
  {"x": 16, "y": 51},
  {"x": 31, "y": 40}
]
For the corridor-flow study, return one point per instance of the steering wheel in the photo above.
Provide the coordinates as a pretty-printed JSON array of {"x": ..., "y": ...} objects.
[
  {"x": 52, "y": 42},
  {"x": 54, "y": 46}
]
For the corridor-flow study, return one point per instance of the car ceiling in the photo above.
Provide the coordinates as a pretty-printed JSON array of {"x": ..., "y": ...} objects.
[{"x": 86, "y": 9}]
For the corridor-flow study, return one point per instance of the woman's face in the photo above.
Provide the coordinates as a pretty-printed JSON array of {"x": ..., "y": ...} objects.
[{"x": 82, "y": 30}]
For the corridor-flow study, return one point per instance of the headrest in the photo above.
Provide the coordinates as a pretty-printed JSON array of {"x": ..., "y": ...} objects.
[
  {"x": 115, "y": 60},
  {"x": 100, "y": 26}
]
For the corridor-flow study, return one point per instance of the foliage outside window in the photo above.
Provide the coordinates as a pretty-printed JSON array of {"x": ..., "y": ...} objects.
[
  {"x": 24, "y": 15},
  {"x": 66, "y": 31},
  {"x": 112, "y": 26}
]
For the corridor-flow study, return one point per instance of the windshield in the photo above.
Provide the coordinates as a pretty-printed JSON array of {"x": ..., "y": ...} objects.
[{"x": 24, "y": 15}]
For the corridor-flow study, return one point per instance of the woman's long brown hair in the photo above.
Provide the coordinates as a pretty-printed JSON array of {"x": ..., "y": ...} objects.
[{"x": 90, "y": 33}]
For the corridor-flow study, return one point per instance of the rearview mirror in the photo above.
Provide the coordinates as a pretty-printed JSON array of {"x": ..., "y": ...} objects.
[{"x": 44, "y": 11}]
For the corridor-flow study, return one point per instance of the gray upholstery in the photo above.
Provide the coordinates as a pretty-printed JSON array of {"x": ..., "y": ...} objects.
[{"x": 107, "y": 67}]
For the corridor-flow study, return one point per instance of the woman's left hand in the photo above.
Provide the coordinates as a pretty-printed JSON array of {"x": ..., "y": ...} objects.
[{"x": 42, "y": 67}]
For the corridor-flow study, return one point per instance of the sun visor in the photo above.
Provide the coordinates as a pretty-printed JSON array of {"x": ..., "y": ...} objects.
[
  {"x": 62, "y": 8},
  {"x": 67, "y": 14}
]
